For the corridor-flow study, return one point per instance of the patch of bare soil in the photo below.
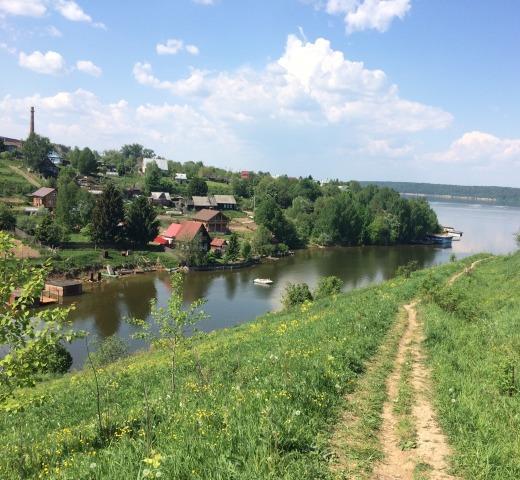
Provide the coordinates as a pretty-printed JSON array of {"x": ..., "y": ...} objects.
[{"x": 24, "y": 251}]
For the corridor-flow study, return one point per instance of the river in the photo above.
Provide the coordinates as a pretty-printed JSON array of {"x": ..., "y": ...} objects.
[{"x": 232, "y": 298}]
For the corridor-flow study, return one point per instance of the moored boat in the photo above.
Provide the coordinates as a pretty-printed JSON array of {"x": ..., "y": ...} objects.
[{"x": 262, "y": 281}]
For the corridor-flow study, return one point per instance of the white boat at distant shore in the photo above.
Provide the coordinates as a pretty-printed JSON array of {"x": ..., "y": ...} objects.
[{"x": 262, "y": 281}]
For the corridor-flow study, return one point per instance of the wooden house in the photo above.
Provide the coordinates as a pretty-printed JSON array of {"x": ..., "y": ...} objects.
[
  {"x": 45, "y": 197},
  {"x": 218, "y": 245},
  {"x": 225, "y": 202},
  {"x": 213, "y": 220}
]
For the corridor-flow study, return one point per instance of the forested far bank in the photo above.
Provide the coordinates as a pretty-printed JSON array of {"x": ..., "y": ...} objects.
[{"x": 508, "y": 196}]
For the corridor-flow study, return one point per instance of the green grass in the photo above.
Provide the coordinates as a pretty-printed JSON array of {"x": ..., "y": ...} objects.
[
  {"x": 74, "y": 260},
  {"x": 257, "y": 401},
  {"x": 11, "y": 183},
  {"x": 473, "y": 346}
]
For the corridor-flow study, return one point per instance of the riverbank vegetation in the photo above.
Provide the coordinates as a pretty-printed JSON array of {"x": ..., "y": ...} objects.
[{"x": 256, "y": 401}]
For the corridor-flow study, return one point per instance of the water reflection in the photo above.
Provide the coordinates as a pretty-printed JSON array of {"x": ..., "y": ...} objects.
[{"x": 232, "y": 297}]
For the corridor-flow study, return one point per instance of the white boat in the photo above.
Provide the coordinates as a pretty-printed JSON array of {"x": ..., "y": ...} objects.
[{"x": 263, "y": 281}]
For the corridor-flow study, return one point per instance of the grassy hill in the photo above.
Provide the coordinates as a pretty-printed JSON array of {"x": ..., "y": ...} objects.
[
  {"x": 261, "y": 400},
  {"x": 11, "y": 182}
]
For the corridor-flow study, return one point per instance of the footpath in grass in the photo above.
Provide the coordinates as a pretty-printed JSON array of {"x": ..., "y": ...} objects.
[
  {"x": 388, "y": 428},
  {"x": 473, "y": 346},
  {"x": 256, "y": 401}
]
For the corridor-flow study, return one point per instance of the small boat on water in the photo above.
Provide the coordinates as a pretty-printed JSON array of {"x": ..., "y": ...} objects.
[
  {"x": 441, "y": 239},
  {"x": 456, "y": 234},
  {"x": 262, "y": 281}
]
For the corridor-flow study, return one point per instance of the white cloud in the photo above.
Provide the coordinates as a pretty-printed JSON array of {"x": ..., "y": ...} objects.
[
  {"x": 310, "y": 83},
  {"x": 88, "y": 67},
  {"x": 53, "y": 31},
  {"x": 480, "y": 149},
  {"x": 50, "y": 63},
  {"x": 173, "y": 46},
  {"x": 7, "y": 48},
  {"x": 205, "y": 2},
  {"x": 65, "y": 118},
  {"x": 30, "y": 8},
  {"x": 192, "y": 49},
  {"x": 69, "y": 9},
  {"x": 366, "y": 14},
  {"x": 72, "y": 11}
]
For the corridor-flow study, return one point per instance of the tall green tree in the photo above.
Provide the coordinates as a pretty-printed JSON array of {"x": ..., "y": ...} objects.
[
  {"x": 35, "y": 150},
  {"x": 152, "y": 178},
  {"x": 270, "y": 215},
  {"x": 233, "y": 249},
  {"x": 66, "y": 198},
  {"x": 49, "y": 232},
  {"x": 142, "y": 225},
  {"x": 197, "y": 186},
  {"x": 108, "y": 216},
  {"x": 87, "y": 162}
]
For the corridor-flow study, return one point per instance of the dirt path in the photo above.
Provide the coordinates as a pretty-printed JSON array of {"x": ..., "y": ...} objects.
[
  {"x": 25, "y": 175},
  {"x": 467, "y": 270},
  {"x": 432, "y": 448}
]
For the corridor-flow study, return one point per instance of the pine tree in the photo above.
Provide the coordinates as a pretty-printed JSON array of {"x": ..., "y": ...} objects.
[
  {"x": 233, "y": 249},
  {"x": 107, "y": 216},
  {"x": 142, "y": 225}
]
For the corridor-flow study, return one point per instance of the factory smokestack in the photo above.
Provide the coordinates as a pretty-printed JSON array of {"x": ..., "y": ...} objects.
[{"x": 31, "y": 130}]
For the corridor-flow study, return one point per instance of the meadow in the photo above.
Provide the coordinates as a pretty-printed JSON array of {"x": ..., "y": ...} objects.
[
  {"x": 256, "y": 401},
  {"x": 473, "y": 343},
  {"x": 11, "y": 183}
]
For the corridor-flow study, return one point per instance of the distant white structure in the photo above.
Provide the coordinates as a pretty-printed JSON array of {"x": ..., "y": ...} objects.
[
  {"x": 181, "y": 177},
  {"x": 162, "y": 163},
  {"x": 55, "y": 158}
]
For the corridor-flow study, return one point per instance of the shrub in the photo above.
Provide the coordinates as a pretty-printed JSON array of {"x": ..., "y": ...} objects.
[
  {"x": 328, "y": 286},
  {"x": 406, "y": 270},
  {"x": 109, "y": 350},
  {"x": 57, "y": 359},
  {"x": 27, "y": 224},
  {"x": 296, "y": 294},
  {"x": 7, "y": 219}
]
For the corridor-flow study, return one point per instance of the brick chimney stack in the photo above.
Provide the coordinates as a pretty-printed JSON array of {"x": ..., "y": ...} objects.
[{"x": 31, "y": 131}]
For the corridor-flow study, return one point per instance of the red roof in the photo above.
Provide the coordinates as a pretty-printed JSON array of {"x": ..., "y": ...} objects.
[
  {"x": 218, "y": 242},
  {"x": 160, "y": 240},
  {"x": 172, "y": 231},
  {"x": 189, "y": 231}
]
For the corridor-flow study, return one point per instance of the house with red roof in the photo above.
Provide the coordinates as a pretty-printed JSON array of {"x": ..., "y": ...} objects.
[
  {"x": 181, "y": 234},
  {"x": 218, "y": 245}
]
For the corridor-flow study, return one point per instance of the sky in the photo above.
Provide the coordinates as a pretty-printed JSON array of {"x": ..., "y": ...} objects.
[{"x": 403, "y": 90}]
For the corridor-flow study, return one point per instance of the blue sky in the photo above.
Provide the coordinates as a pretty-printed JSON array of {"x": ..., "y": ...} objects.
[{"x": 414, "y": 90}]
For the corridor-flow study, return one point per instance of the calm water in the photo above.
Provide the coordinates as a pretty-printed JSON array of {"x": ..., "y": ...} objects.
[{"x": 232, "y": 298}]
